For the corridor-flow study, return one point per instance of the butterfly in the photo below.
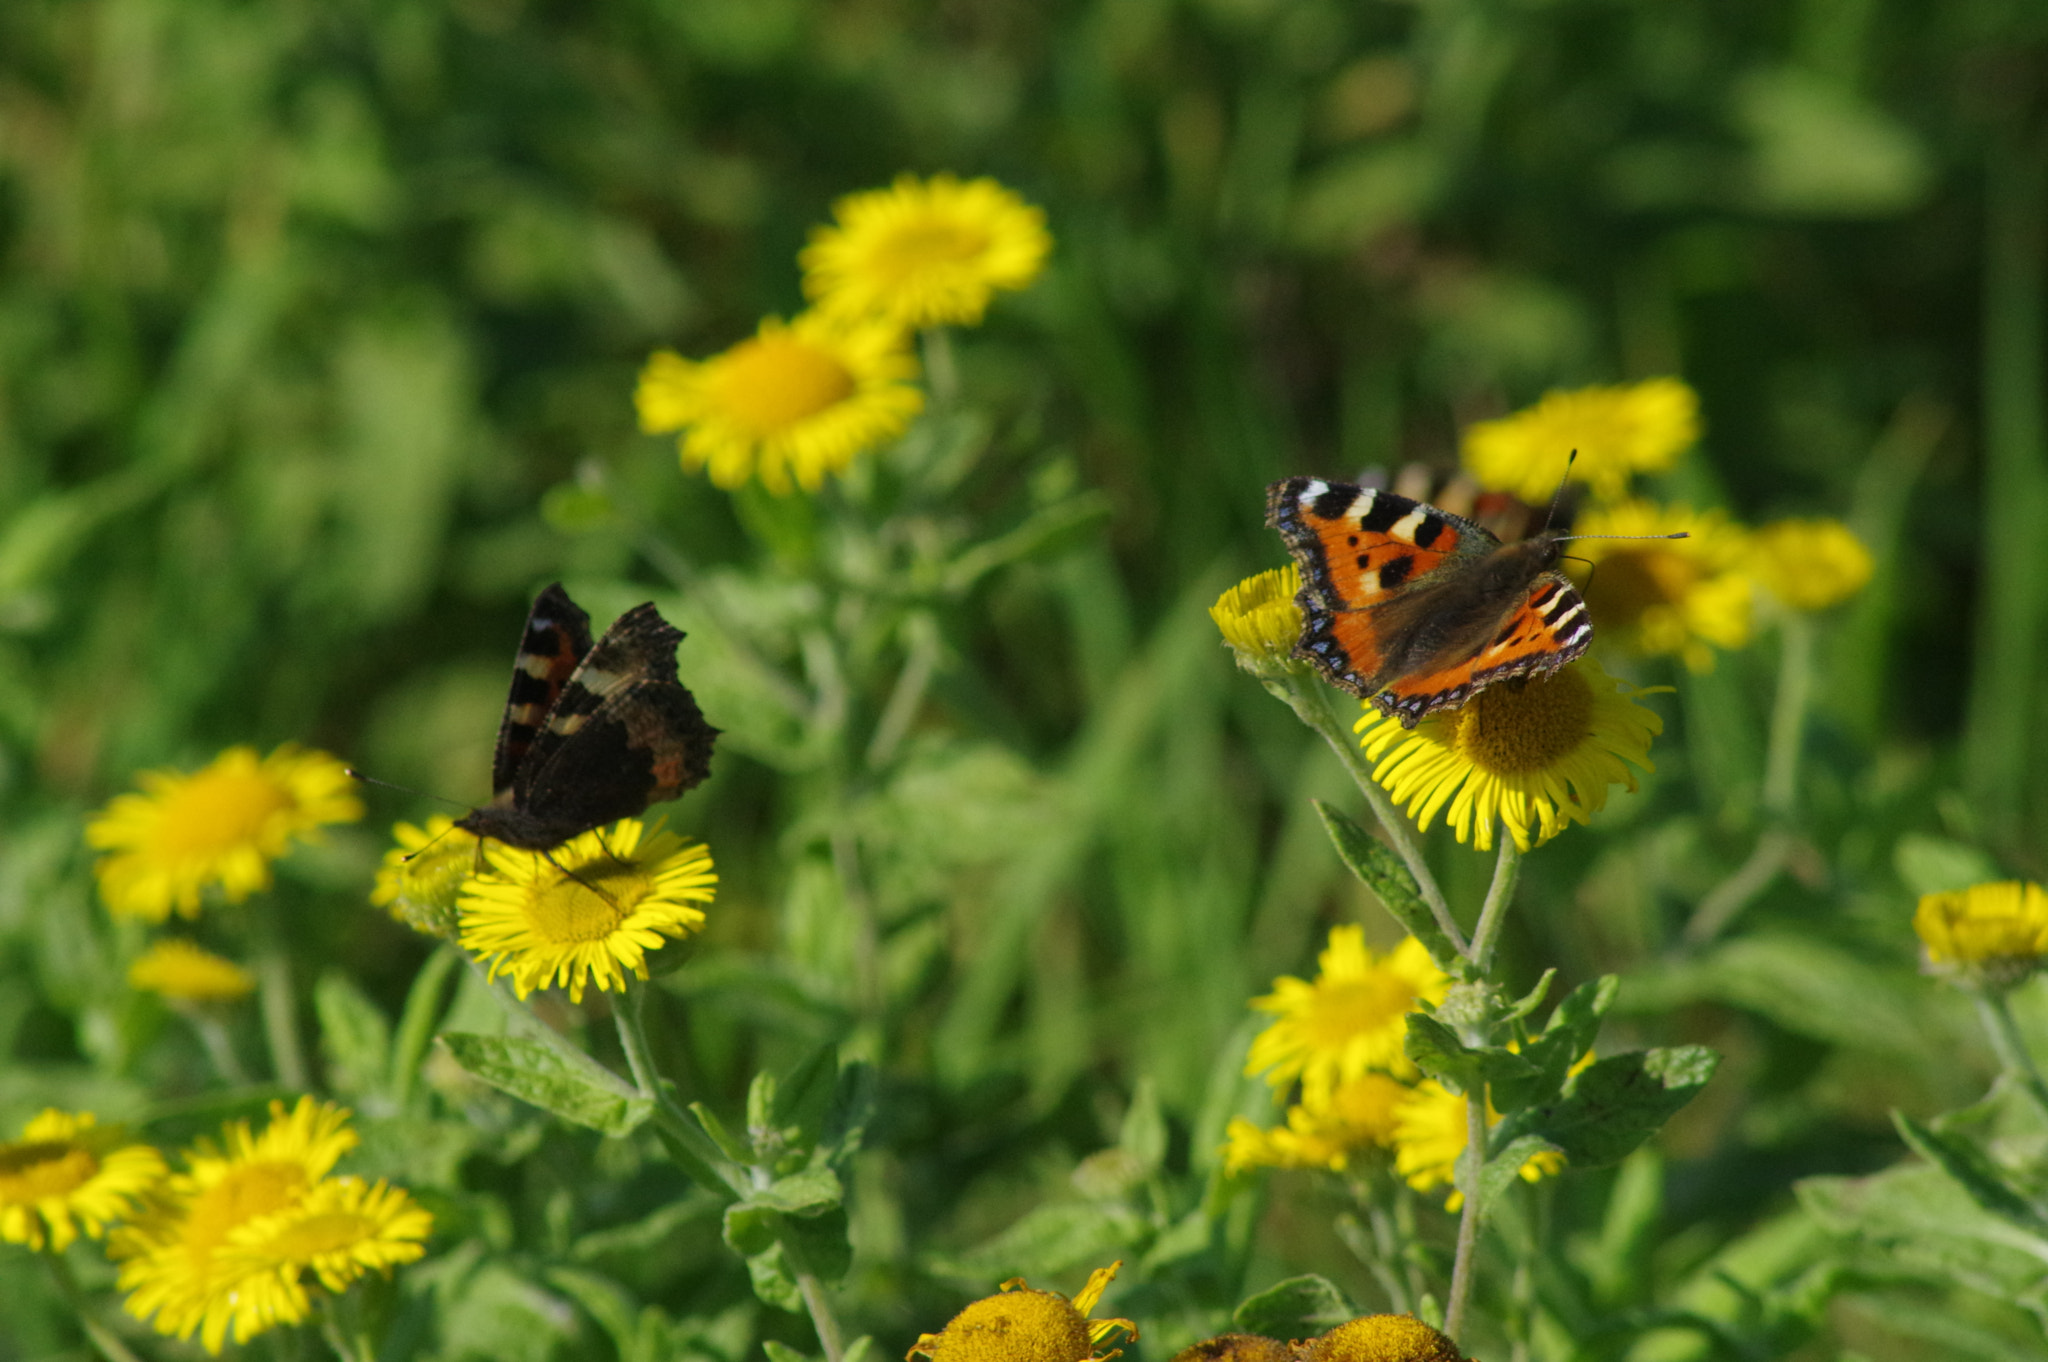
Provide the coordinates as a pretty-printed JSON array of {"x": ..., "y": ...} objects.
[
  {"x": 1416, "y": 608},
  {"x": 591, "y": 735}
]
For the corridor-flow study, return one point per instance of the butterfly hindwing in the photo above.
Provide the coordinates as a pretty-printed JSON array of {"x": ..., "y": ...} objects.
[
  {"x": 619, "y": 732},
  {"x": 1414, "y": 607}
]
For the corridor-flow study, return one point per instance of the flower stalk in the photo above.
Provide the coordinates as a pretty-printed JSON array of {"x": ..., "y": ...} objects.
[{"x": 2015, "y": 1061}]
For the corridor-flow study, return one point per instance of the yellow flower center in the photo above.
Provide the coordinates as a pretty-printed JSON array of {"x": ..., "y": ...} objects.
[
  {"x": 1524, "y": 726},
  {"x": 1627, "y": 586},
  {"x": 251, "y": 1190},
  {"x": 43, "y": 1170},
  {"x": 317, "y": 1235},
  {"x": 920, "y": 246},
  {"x": 588, "y": 908},
  {"x": 776, "y": 381},
  {"x": 1383, "y": 1338},
  {"x": 1345, "y": 1008},
  {"x": 217, "y": 811},
  {"x": 1017, "y": 1326}
]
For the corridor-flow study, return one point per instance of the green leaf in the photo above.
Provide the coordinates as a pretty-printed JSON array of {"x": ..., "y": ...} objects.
[
  {"x": 585, "y": 1093},
  {"x": 1048, "y": 1239},
  {"x": 845, "y": 1123},
  {"x": 1531, "y": 1000},
  {"x": 728, "y": 1144},
  {"x": 1504, "y": 1166},
  {"x": 812, "y": 1192},
  {"x": 1617, "y": 1103},
  {"x": 1983, "y": 1180},
  {"x": 1436, "y": 1050},
  {"x": 803, "y": 1093},
  {"x": 820, "y": 1243},
  {"x": 773, "y": 1281},
  {"x": 1917, "y": 1220},
  {"x": 1298, "y": 1308},
  {"x": 782, "y": 1352},
  {"x": 354, "y": 1034},
  {"x": 1383, "y": 872},
  {"x": 1567, "y": 1037},
  {"x": 1143, "y": 1135}
]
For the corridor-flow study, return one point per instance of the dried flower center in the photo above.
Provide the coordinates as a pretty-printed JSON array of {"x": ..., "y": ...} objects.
[
  {"x": 1017, "y": 1326},
  {"x": 42, "y": 1170},
  {"x": 1520, "y": 727},
  {"x": 216, "y": 811},
  {"x": 773, "y": 382},
  {"x": 588, "y": 908}
]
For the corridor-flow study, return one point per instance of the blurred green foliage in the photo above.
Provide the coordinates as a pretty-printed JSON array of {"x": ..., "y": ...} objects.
[{"x": 318, "y": 326}]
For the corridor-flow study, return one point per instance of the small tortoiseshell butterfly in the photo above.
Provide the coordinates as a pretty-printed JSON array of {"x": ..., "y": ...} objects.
[
  {"x": 591, "y": 735},
  {"x": 1416, "y": 608}
]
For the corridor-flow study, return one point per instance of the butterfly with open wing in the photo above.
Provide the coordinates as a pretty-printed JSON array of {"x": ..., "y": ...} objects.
[{"x": 1418, "y": 609}]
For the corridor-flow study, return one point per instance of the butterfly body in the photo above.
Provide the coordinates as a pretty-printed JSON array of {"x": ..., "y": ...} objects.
[
  {"x": 1418, "y": 609},
  {"x": 591, "y": 734}
]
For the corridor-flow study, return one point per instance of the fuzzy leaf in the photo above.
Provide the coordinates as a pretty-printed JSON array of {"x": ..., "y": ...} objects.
[
  {"x": 584, "y": 1093},
  {"x": 1383, "y": 873},
  {"x": 1300, "y": 1307}
]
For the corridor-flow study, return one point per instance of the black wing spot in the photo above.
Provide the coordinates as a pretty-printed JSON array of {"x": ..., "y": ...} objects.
[
  {"x": 1381, "y": 515},
  {"x": 1364, "y": 563},
  {"x": 1431, "y": 528},
  {"x": 1395, "y": 572},
  {"x": 1333, "y": 501}
]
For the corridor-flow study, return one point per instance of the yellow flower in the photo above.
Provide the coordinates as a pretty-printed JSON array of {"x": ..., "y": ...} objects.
[
  {"x": 797, "y": 401},
  {"x": 1352, "y": 1019},
  {"x": 1018, "y": 1324},
  {"x": 64, "y": 1175},
  {"x": 1989, "y": 934},
  {"x": 342, "y": 1229},
  {"x": 591, "y": 913},
  {"x": 924, "y": 252},
  {"x": 422, "y": 876},
  {"x": 1323, "y": 1131},
  {"x": 175, "y": 1258},
  {"x": 185, "y": 973},
  {"x": 1382, "y": 1338},
  {"x": 1810, "y": 564},
  {"x": 1260, "y": 621},
  {"x": 1668, "y": 596},
  {"x": 1616, "y": 432},
  {"x": 1430, "y": 1135},
  {"x": 1535, "y": 756},
  {"x": 223, "y": 825}
]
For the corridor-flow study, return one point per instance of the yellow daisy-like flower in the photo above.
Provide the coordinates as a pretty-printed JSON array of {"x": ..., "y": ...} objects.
[
  {"x": 1810, "y": 564},
  {"x": 342, "y": 1229},
  {"x": 794, "y": 403},
  {"x": 1382, "y": 1338},
  {"x": 1018, "y": 1324},
  {"x": 1991, "y": 935},
  {"x": 1430, "y": 1135},
  {"x": 65, "y": 1175},
  {"x": 592, "y": 913},
  {"x": 1536, "y": 756},
  {"x": 1260, "y": 621},
  {"x": 422, "y": 876},
  {"x": 1617, "y": 432},
  {"x": 1324, "y": 1132},
  {"x": 223, "y": 826},
  {"x": 924, "y": 252},
  {"x": 185, "y": 973},
  {"x": 1682, "y": 597},
  {"x": 175, "y": 1259},
  {"x": 1352, "y": 1019}
]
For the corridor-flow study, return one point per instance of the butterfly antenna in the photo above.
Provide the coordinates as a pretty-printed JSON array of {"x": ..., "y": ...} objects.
[
  {"x": 1550, "y": 516},
  {"x": 354, "y": 774}
]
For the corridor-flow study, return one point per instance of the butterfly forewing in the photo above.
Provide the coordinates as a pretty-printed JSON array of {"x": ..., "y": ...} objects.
[{"x": 556, "y": 640}]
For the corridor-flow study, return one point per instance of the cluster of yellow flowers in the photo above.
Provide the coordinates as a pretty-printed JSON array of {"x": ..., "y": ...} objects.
[
  {"x": 236, "y": 1243},
  {"x": 800, "y": 399},
  {"x": 1339, "y": 1038},
  {"x": 587, "y": 913},
  {"x": 1672, "y": 597}
]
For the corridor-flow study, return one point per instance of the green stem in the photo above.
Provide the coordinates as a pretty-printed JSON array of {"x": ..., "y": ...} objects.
[
  {"x": 104, "y": 1340},
  {"x": 1507, "y": 871},
  {"x": 1788, "y": 714},
  {"x": 1314, "y": 704},
  {"x": 349, "y": 1344},
  {"x": 1721, "y": 904},
  {"x": 219, "y": 1048},
  {"x": 279, "y": 1002},
  {"x": 629, "y": 1015},
  {"x": 422, "y": 1015},
  {"x": 830, "y": 1338},
  {"x": 1468, "y": 1220},
  {"x": 2010, "y": 1047},
  {"x": 941, "y": 372}
]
